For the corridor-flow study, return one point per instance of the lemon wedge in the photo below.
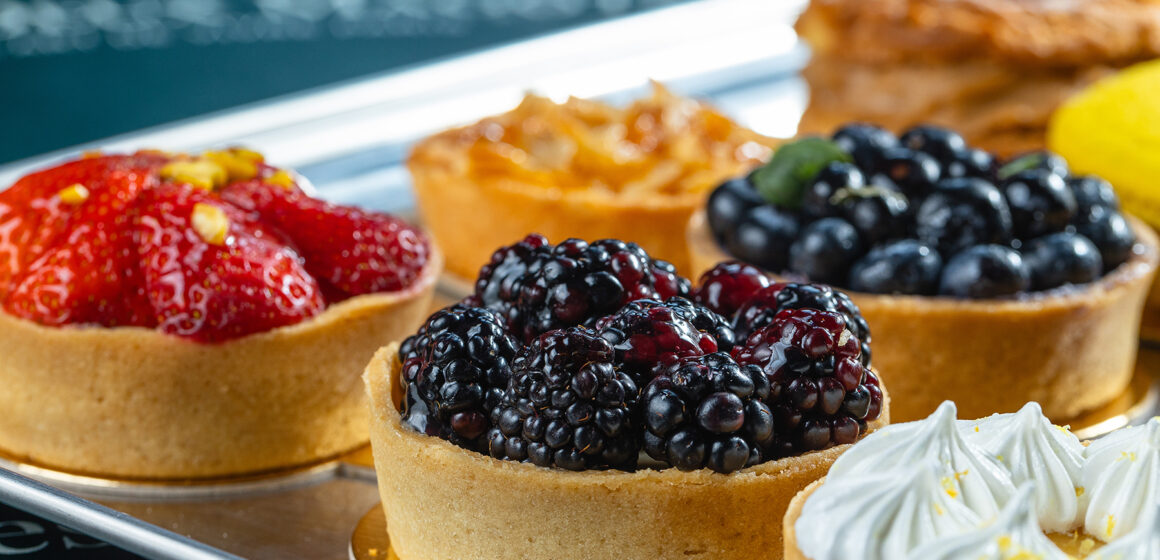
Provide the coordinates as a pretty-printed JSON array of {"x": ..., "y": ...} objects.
[{"x": 1112, "y": 129}]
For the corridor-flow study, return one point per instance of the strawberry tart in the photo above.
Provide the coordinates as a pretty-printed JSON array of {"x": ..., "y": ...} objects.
[{"x": 169, "y": 316}]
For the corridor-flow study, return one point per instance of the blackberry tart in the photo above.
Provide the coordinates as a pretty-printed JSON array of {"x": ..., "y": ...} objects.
[
  {"x": 523, "y": 427},
  {"x": 172, "y": 316},
  {"x": 580, "y": 168},
  {"x": 989, "y": 282}
]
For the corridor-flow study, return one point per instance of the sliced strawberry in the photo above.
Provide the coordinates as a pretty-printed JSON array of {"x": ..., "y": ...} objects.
[
  {"x": 349, "y": 251},
  {"x": 212, "y": 273},
  {"x": 65, "y": 254}
]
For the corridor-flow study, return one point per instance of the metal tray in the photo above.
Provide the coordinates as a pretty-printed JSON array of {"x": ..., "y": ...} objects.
[{"x": 351, "y": 141}]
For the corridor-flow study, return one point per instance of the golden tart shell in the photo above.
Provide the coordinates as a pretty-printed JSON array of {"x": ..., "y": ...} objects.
[
  {"x": 132, "y": 403},
  {"x": 1071, "y": 350},
  {"x": 442, "y": 501},
  {"x": 476, "y": 192}
]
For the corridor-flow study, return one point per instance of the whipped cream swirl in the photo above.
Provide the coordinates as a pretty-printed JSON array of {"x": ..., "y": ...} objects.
[
  {"x": 1015, "y": 535},
  {"x": 1122, "y": 480},
  {"x": 985, "y": 485},
  {"x": 1032, "y": 449},
  {"x": 1143, "y": 543},
  {"x": 882, "y": 515}
]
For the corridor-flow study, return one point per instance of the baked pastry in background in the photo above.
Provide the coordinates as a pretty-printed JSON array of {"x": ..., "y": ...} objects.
[
  {"x": 993, "y": 69},
  {"x": 579, "y": 169},
  {"x": 166, "y": 316}
]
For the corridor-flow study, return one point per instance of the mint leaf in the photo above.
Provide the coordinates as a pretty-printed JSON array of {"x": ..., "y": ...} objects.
[
  {"x": 783, "y": 181},
  {"x": 1019, "y": 165}
]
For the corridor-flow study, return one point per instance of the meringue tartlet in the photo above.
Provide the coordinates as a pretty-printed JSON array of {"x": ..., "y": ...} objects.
[{"x": 999, "y": 487}]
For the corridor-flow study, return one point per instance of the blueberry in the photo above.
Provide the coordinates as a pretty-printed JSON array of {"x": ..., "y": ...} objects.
[
  {"x": 728, "y": 204},
  {"x": 1110, "y": 233},
  {"x": 1062, "y": 258},
  {"x": 834, "y": 176},
  {"x": 914, "y": 172},
  {"x": 824, "y": 250},
  {"x": 902, "y": 267},
  {"x": 1040, "y": 203},
  {"x": 963, "y": 212},
  {"x": 878, "y": 214},
  {"x": 971, "y": 162},
  {"x": 985, "y": 271},
  {"x": 763, "y": 237},
  {"x": 939, "y": 142},
  {"x": 1041, "y": 160},
  {"x": 1092, "y": 192},
  {"x": 864, "y": 142}
]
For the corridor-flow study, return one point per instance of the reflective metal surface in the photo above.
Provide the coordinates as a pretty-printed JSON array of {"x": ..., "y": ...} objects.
[{"x": 351, "y": 141}]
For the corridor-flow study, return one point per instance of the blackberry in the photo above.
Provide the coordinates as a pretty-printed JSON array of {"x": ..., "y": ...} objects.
[
  {"x": 499, "y": 282},
  {"x": 763, "y": 307},
  {"x": 727, "y": 286},
  {"x": 454, "y": 370},
  {"x": 667, "y": 282},
  {"x": 649, "y": 335},
  {"x": 820, "y": 392},
  {"x": 567, "y": 406},
  {"x": 538, "y": 287},
  {"x": 707, "y": 411}
]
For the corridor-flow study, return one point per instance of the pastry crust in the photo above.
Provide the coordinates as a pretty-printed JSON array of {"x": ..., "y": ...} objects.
[
  {"x": 442, "y": 501},
  {"x": 132, "y": 403},
  {"x": 1003, "y": 109},
  {"x": 477, "y": 189},
  {"x": 1071, "y": 349},
  {"x": 994, "y": 70},
  {"x": 1020, "y": 32}
]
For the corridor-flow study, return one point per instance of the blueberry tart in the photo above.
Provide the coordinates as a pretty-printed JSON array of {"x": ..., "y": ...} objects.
[
  {"x": 1005, "y": 487},
  {"x": 993, "y": 282},
  {"x": 577, "y": 169},
  {"x": 575, "y": 407}
]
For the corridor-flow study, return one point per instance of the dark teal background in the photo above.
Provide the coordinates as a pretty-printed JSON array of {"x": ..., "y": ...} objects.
[{"x": 95, "y": 68}]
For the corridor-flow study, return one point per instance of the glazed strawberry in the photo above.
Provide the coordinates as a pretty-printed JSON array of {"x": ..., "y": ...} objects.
[
  {"x": 380, "y": 252},
  {"x": 148, "y": 240},
  {"x": 212, "y": 273},
  {"x": 65, "y": 254}
]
